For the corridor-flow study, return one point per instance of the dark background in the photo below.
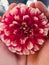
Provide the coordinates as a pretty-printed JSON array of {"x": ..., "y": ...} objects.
[
  {"x": 46, "y": 2},
  {"x": 17, "y": 1}
]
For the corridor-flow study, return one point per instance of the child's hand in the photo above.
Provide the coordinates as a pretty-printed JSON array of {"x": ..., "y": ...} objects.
[
  {"x": 42, "y": 57},
  {"x": 6, "y": 57}
]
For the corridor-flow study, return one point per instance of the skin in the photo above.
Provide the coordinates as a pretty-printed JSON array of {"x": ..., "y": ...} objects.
[{"x": 40, "y": 58}]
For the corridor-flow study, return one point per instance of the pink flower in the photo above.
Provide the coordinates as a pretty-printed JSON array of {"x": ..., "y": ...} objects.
[{"x": 24, "y": 30}]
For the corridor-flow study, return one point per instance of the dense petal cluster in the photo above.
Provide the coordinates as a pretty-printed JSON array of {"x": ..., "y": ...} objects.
[{"x": 24, "y": 29}]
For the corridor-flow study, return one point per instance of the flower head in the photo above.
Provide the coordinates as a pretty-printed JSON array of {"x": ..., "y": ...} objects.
[{"x": 24, "y": 29}]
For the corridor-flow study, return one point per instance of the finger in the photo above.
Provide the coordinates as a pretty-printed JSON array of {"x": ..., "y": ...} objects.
[
  {"x": 6, "y": 57},
  {"x": 14, "y": 11},
  {"x": 11, "y": 58},
  {"x": 0, "y": 18},
  {"x": 31, "y": 59},
  {"x": 21, "y": 59},
  {"x": 43, "y": 56},
  {"x": 10, "y": 8},
  {"x": 42, "y": 7},
  {"x": 32, "y": 4}
]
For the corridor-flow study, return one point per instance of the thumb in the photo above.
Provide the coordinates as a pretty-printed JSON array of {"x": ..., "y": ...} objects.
[
  {"x": 42, "y": 7},
  {"x": 44, "y": 54}
]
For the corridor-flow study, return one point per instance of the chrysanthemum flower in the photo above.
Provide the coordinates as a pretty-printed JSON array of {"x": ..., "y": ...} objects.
[{"x": 24, "y": 29}]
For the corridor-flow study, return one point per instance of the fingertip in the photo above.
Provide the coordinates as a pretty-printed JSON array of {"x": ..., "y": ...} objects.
[
  {"x": 39, "y": 2},
  {"x": 32, "y": 4},
  {"x": 13, "y": 3},
  {"x": 0, "y": 18},
  {"x": 42, "y": 7},
  {"x": 11, "y": 6}
]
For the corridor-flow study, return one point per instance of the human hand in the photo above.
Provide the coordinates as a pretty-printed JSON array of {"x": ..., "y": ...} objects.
[
  {"x": 41, "y": 57},
  {"x": 6, "y": 57}
]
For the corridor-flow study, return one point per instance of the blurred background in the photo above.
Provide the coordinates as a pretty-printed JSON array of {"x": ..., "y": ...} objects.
[{"x": 4, "y": 4}]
